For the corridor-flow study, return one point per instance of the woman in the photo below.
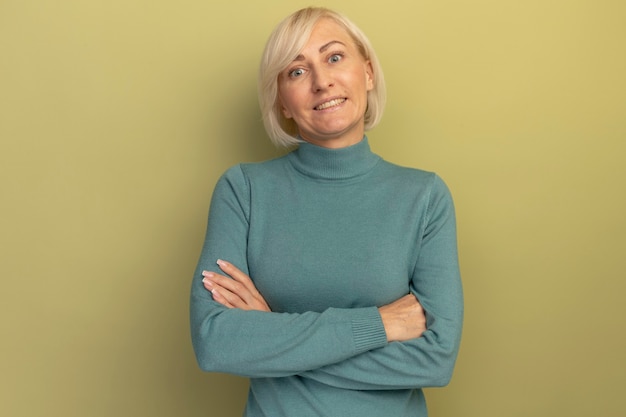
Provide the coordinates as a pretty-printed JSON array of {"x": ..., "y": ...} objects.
[{"x": 313, "y": 263}]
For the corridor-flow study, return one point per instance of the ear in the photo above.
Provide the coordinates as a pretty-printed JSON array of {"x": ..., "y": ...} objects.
[{"x": 369, "y": 75}]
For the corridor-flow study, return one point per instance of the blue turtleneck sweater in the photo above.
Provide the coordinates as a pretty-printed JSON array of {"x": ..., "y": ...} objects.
[{"x": 327, "y": 236}]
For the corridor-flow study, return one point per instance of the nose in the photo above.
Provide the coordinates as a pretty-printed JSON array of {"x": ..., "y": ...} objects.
[{"x": 321, "y": 80}]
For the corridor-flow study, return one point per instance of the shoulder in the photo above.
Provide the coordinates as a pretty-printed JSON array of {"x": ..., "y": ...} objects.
[
  {"x": 268, "y": 167},
  {"x": 419, "y": 185},
  {"x": 243, "y": 171},
  {"x": 413, "y": 177}
]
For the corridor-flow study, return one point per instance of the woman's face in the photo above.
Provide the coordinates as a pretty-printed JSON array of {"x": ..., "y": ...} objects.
[{"x": 324, "y": 90}]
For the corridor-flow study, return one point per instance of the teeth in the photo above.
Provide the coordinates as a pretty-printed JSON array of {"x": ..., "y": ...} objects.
[{"x": 330, "y": 103}]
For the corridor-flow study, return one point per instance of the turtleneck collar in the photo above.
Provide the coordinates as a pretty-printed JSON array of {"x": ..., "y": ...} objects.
[{"x": 334, "y": 164}]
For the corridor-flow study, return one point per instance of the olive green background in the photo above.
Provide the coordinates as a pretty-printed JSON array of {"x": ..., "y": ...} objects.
[{"x": 117, "y": 117}]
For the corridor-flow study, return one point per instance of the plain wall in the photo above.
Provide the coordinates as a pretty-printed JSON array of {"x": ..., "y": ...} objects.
[{"x": 117, "y": 117}]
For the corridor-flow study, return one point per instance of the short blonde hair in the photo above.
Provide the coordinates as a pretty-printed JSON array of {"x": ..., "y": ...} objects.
[{"x": 283, "y": 46}]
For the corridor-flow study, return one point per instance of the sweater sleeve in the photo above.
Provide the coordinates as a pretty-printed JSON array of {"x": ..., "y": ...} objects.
[
  {"x": 428, "y": 360},
  {"x": 265, "y": 344}
]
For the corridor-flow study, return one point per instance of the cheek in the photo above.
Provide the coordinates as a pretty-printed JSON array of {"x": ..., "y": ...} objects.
[
  {"x": 285, "y": 104},
  {"x": 291, "y": 100},
  {"x": 286, "y": 112}
]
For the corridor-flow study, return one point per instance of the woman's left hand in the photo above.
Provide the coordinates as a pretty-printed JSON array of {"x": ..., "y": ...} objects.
[{"x": 238, "y": 291}]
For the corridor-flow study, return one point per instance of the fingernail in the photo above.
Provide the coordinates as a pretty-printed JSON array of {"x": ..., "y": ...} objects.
[
  {"x": 207, "y": 283},
  {"x": 221, "y": 263}
]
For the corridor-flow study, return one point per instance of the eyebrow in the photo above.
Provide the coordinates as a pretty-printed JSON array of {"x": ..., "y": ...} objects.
[{"x": 321, "y": 50}]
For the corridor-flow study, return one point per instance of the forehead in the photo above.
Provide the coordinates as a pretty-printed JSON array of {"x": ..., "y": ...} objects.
[{"x": 327, "y": 30}]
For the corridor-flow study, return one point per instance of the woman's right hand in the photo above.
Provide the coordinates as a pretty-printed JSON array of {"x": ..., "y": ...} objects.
[{"x": 404, "y": 319}]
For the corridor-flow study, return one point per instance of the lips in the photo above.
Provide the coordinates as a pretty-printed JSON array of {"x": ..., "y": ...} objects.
[{"x": 330, "y": 103}]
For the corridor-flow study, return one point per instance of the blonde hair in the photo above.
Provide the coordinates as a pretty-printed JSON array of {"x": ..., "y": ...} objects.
[{"x": 283, "y": 46}]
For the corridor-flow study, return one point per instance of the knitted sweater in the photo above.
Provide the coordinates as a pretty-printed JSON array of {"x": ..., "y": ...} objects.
[{"x": 327, "y": 236}]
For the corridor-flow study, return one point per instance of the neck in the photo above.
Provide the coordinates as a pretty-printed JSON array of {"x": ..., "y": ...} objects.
[
  {"x": 337, "y": 142},
  {"x": 334, "y": 164}
]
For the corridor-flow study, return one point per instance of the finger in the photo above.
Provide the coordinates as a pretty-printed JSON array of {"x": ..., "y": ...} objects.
[
  {"x": 231, "y": 293},
  {"x": 232, "y": 288},
  {"x": 236, "y": 274},
  {"x": 214, "y": 289},
  {"x": 231, "y": 300},
  {"x": 224, "y": 298},
  {"x": 242, "y": 278},
  {"x": 234, "y": 293},
  {"x": 222, "y": 294}
]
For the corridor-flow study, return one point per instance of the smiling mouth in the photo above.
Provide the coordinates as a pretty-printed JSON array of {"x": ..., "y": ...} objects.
[{"x": 331, "y": 103}]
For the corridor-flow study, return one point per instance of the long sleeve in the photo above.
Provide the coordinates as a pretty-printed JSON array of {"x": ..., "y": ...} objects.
[
  {"x": 429, "y": 360},
  {"x": 260, "y": 344},
  {"x": 328, "y": 236}
]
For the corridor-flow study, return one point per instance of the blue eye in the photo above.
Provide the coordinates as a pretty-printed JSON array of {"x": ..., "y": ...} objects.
[
  {"x": 335, "y": 58},
  {"x": 296, "y": 73}
]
